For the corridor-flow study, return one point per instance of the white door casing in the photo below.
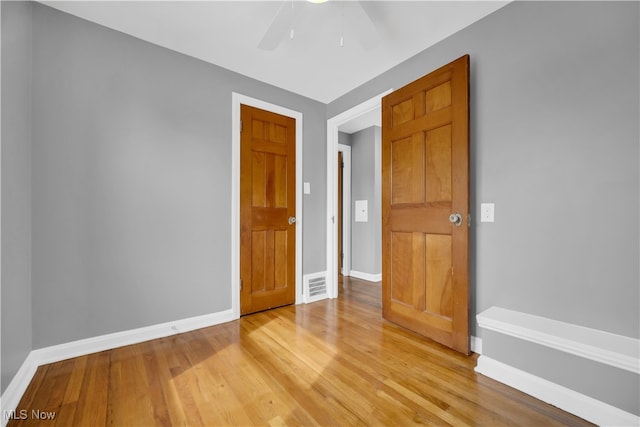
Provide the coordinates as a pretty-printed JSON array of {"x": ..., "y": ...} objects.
[
  {"x": 236, "y": 100},
  {"x": 333, "y": 125}
]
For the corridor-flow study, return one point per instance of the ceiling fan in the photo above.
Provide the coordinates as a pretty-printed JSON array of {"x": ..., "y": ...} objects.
[{"x": 362, "y": 19}]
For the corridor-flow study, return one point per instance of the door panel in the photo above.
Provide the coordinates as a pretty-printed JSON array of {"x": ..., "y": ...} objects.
[
  {"x": 407, "y": 157},
  {"x": 267, "y": 201},
  {"x": 438, "y": 275},
  {"x": 438, "y": 164},
  {"x": 425, "y": 178}
]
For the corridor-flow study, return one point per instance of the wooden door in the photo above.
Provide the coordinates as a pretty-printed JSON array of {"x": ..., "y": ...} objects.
[
  {"x": 425, "y": 179},
  {"x": 340, "y": 210},
  {"x": 267, "y": 210}
]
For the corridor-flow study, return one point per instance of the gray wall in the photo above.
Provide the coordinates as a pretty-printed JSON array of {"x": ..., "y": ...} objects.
[
  {"x": 366, "y": 249},
  {"x": 344, "y": 138},
  {"x": 132, "y": 181},
  {"x": 554, "y": 144},
  {"x": 16, "y": 184}
]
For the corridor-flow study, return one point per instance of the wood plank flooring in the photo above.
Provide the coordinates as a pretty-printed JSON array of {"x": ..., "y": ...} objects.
[{"x": 330, "y": 363}]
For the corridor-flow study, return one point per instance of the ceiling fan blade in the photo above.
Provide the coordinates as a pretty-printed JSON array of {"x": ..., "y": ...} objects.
[
  {"x": 280, "y": 25},
  {"x": 366, "y": 29}
]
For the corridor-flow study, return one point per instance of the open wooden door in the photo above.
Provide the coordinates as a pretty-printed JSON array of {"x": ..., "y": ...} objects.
[
  {"x": 425, "y": 205},
  {"x": 340, "y": 213},
  {"x": 267, "y": 210}
]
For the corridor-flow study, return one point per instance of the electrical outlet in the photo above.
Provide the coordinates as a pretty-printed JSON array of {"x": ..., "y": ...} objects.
[{"x": 486, "y": 212}]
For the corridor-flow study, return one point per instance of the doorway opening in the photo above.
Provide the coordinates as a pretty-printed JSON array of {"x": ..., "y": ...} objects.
[
  {"x": 362, "y": 113},
  {"x": 344, "y": 210}
]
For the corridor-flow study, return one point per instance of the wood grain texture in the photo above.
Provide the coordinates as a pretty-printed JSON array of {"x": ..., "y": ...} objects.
[
  {"x": 267, "y": 200},
  {"x": 425, "y": 179},
  {"x": 330, "y": 363},
  {"x": 340, "y": 212}
]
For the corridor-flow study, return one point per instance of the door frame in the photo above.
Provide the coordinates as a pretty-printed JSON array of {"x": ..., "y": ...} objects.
[
  {"x": 332, "y": 191},
  {"x": 238, "y": 99},
  {"x": 346, "y": 208}
]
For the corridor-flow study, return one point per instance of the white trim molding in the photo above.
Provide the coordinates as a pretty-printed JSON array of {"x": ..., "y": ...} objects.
[
  {"x": 564, "y": 398},
  {"x": 134, "y": 336},
  {"x": 333, "y": 125},
  {"x": 16, "y": 388},
  {"x": 476, "y": 344},
  {"x": 238, "y": 99},
  {"x": 600, "y": 346},
  {"x": 366, "y": 276}
]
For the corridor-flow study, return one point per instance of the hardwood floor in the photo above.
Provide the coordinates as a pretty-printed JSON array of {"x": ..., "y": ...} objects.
[{"x": 333, "y": 362}]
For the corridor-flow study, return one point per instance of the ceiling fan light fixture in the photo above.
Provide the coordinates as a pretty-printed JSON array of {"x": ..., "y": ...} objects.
[{"x": 317, "y": 1}]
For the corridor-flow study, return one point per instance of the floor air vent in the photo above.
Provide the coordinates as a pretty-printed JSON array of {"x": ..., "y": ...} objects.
[{"x": 315, "y": 287}]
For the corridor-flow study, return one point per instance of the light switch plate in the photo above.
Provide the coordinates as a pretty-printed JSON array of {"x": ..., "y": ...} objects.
[
  {"x": 486, "y": 212},
  {"x": 362, "y": 211},
  {"x": 307, "y": 188}
]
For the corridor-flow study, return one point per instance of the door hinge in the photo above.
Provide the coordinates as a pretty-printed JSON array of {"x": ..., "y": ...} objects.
[
  {"x": 342, "y": 165},
  {"x": 469, "y": 220},
  {"x": 240, "y": 125},
  {"x": 241, "y": 284}
]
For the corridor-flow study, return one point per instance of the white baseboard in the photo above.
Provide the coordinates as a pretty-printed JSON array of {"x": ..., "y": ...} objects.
[
  {"x": 366, "y": 276},
  {"x": 119, "y": 339},
  {"x": 476, "y": 344},
  {"x": 566, "y": 399},
  {"x": 600, "y": 346},
  {"x": 42, "y": 356},
  {"x": 16, "y": 388}
]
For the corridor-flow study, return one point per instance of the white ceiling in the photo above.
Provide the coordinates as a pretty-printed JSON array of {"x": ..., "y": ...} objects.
[{"x": 313, "y": 64}]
